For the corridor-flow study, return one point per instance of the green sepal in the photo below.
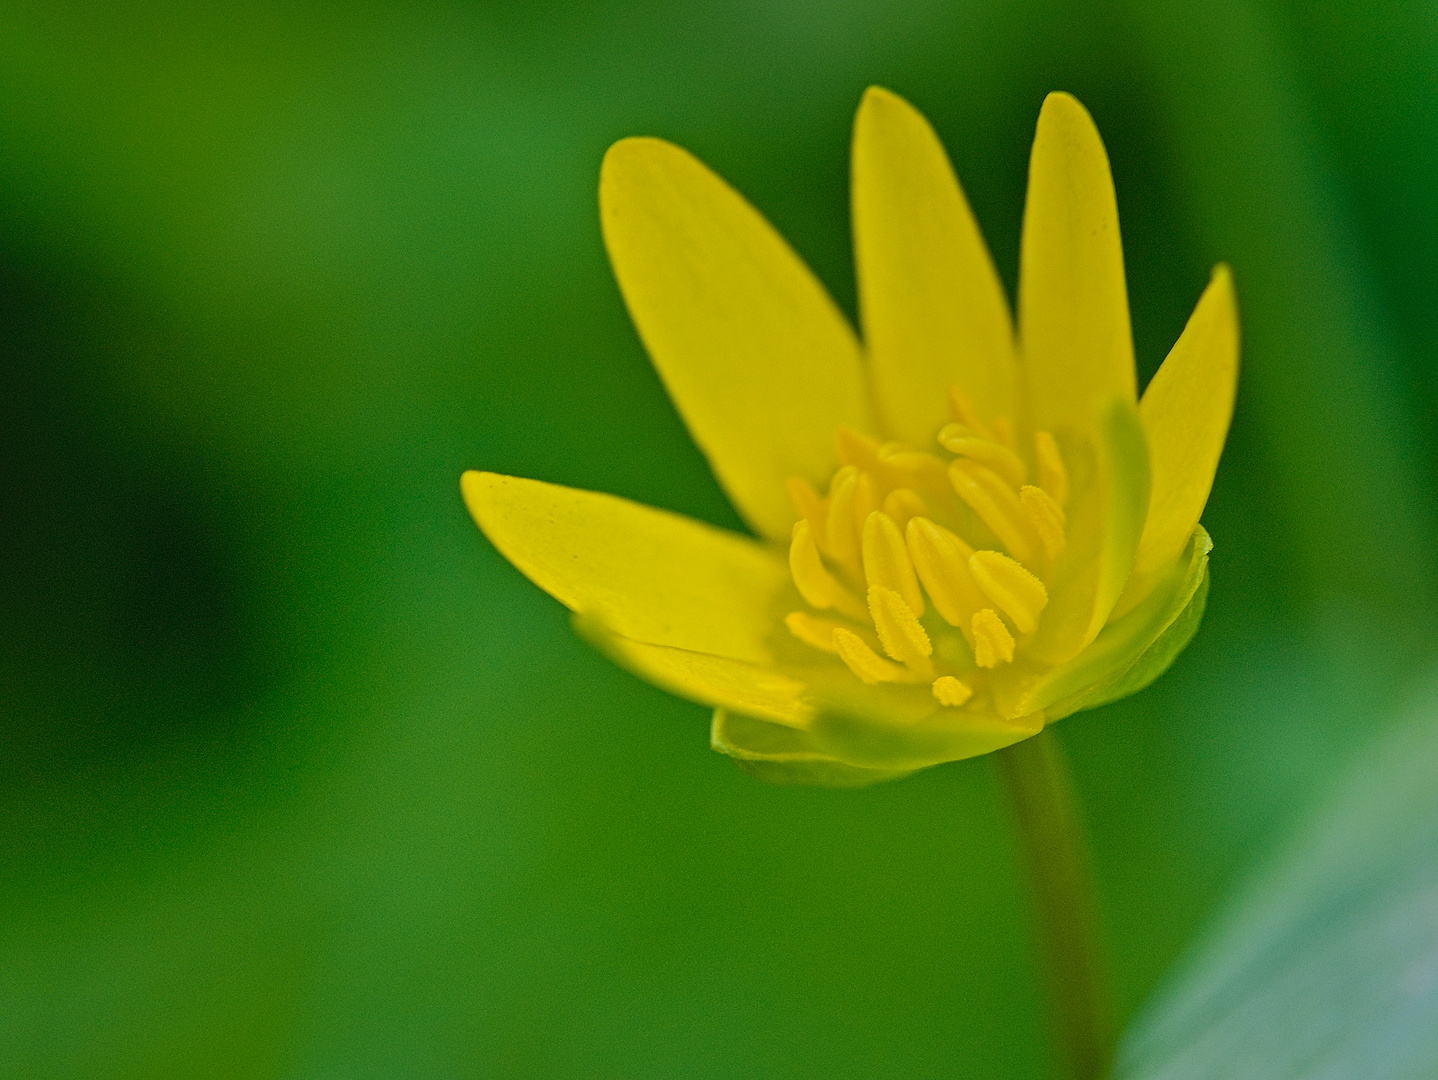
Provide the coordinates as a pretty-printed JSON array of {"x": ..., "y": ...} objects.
[
  {"x": 904, "y": 728},
  {"x": 1127, "y": 655},
  {"x": 1155, "y": 660},
  {"x": 783, "y": 755}
]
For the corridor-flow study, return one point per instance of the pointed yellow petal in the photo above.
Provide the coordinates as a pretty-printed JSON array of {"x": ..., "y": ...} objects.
[
  {"x": 754, "y": 353},
  {"x": 1185, "y": 412},
  {"x": 717, "y": 681},
  {"x": 1073, "y": 305},
  {"x": 646, "y": 574},
  {"x": 934, "y": 312}
]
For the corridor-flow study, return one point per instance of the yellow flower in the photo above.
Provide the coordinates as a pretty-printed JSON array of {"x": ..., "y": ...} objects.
[{"x": 964, "y": 531}]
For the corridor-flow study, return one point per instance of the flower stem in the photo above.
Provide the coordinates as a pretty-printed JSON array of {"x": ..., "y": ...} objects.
[{"x": 1055, "y": 854}]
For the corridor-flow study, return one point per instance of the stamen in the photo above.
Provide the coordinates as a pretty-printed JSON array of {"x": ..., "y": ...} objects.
[
  {"x": 807, "y": 503},
  {"x": 996, "y": 503},
  {"x": 1053, "y": 476},
  {"x": 962, "y": 408},
  {"x": 903, "y": 504},
  {"x": 951, "y": 692},
  {"x": 866, "y": 499},
  {"x": 886, "y": 560},
  {"x": 923, "y": 469},
  {"x": 961, "y": 440},
  {"x": 812, "y": 630},
  {"x": 899, "y": 631},
  {"x": 856, "y": 448},
  {"x": 1047, "y": 518},
  {"x": 1017, "y": 592},
  {"x": 864, "y": 661},
  {"x": 941, "y": 560},
  {"x": 840, "y": 530},
  {"x": 993, "y": 644},
  {"x": 816, "y": 585}
]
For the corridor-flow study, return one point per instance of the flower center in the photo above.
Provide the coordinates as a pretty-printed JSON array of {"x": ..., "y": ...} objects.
[{"x": 884, "y": 556}]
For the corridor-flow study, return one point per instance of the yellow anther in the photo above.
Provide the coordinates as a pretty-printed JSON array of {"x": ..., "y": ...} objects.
[
  {"x": 856, "y": 448},
  {"x": 864, "y": 661},
  {"x": 962, "y": 408},
  {"x": 807, "y": 503},
  {"x": 996, "y": 503},
  {"x": 840, "y": 530},
  {"x": 903, "y": 504},
  {"x": 886, "y": 560},
  {"x": 812, "y": 630},
  {"x": 960, "y": 439},
  {"x": 941, "y": 561},
  {"x": 920, "y": 467},
  {"x": 899, "y": 631},
  {"x": 866, "y": 500},
  {"x": 1019, "y": 594},
  {"x": 1047, "y": 518},
  {"x": 816, "y": 585},
  {"x": 993, "y": 644},
  {"x": 1053, "y": 476},
  {"x": 951, "y": 692}
]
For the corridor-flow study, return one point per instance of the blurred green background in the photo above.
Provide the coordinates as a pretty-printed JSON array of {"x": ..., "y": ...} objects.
[{"x": 299, "y": 779}]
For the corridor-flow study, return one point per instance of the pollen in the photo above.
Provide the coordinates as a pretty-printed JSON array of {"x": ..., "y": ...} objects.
[
  {"x": 993, "y": 644},
  {"x": 1047, "y": 517},
  {"x": 951, "y": 691},
  {"x": 886, "y": 560},
  {"x": 1016, "y": 592},
  {"x": 900, "y": 632},
  {"x": 864, "y": 661}
]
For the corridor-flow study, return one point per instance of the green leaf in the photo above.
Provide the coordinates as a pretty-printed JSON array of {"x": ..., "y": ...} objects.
[
  {"x": 1327, "y": 964},
  {"x": 785, "y": 755}
]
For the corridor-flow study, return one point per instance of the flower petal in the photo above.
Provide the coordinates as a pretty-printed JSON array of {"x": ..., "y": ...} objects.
[
  {"x": 785, "y": 755},
  {"x": 1185, "y": 412},
  {"x": 647, "y": 574},
  {"x": 1103, "y": 533},
  {"x": 934, "y": 312},
  {"x": 755, "y": 355},
  {"x": 1076, "y": 342},
  {"x": 716, "y": 681}
]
